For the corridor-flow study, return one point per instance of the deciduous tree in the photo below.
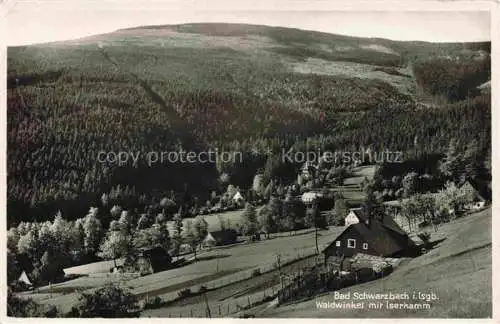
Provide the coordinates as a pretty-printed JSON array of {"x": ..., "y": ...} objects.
[
  {"x": 177, "y": 234},
  {"x": 250, "y": 223},
  {"x": 93, "y": 231},
  {"x": 339, "y": 211},
  {"x": 115, "y": 244},
  {"x": 410, "y": 184},
  {"x": 106, "y": 302}
]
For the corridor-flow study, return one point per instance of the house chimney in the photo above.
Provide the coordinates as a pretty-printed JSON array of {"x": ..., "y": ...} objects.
[{"x": 368, "y": 219}]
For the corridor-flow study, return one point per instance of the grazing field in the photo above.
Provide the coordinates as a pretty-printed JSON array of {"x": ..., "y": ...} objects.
[
  {"x": 229, "y": 296},
  {"x": 214, "y": 268},
  {"x": 95, "y": 267},
  {"x": 214, "y": 220},
  {"x": 351, "y": 190},
  {"x": 458, "y": 271}
]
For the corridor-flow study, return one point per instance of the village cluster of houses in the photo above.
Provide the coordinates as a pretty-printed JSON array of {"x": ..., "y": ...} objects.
[{"x": 382, "y": 236}]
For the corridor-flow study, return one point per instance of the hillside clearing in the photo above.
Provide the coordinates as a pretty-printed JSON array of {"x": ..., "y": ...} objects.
[{"x": 351, "y": 69}]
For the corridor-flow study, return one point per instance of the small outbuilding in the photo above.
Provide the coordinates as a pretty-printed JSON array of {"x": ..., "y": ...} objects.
[
  {"x": 478, "y": 200},
  {"x": 25, "y": 279},
  {"x": 153, "y": 260},
  {"x": 238, "y": 198},
  {"x": 222, "y": 237}
]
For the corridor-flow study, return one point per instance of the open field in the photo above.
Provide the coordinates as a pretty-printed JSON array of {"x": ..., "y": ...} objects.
[
  {"x": 215, "y": 268},
  {"x": 95, "y": 267},
  {"x": 352, "y": 194},
  {"x": 229, "y": 296},
  {"x": 403, "y": 82},
  {"x": 458, "y": 271},
  {"x": 213, "y": 220},
  {"x": 351, "y": 189},
  {"x": 360, "y": 173}
]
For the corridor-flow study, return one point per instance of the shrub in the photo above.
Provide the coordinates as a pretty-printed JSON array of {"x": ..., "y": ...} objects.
[
  {"x": 424, "y": 236},
  {"x": 185, "y": 293},
  {"x": 256, "y": 272},
  {"x": 202, "y": 289},
  {"x": 107, "y": 302},
  {"x": 18, "y": 307},
  {"x": 155, "y": 302}
]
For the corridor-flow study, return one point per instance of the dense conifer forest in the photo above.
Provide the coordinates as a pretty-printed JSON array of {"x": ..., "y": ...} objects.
[{"x": 128, "y": 92}]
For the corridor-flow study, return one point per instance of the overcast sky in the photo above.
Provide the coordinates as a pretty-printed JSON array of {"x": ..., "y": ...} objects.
[{"x": 49, "y": 20}]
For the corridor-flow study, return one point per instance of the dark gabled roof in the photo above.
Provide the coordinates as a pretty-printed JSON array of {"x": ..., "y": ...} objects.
[
  {"x": 387, "y": 221},
  {"x": 469, "y": 186},
  {"x": 380, "y": 238},
  {"x": 360, "y": 214},
  {"x": 225, "y": 235},
  {"x": 384, "y": 240},
  {"x": 153, "y": 251}
]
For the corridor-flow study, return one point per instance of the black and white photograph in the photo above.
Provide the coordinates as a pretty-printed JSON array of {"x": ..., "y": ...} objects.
[{"x": 181, "y": 160}]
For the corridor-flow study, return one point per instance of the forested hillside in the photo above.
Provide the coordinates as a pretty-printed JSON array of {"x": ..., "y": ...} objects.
[{"x": 228, "y": 87}]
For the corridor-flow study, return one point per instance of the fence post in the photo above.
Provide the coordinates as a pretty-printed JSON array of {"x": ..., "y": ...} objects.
[
  {"x": 207, "y": 305},
  {"x": 191, "y": 312},
  {"x": 220, "y": 313}
]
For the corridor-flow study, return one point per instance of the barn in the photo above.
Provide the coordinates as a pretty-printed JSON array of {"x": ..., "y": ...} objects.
[
  {"x": 375, "y": 237},
  {"x": 153, "y": 260},
  {"x": 222, "y": 237},
  {"x": 478, "y": 200}
]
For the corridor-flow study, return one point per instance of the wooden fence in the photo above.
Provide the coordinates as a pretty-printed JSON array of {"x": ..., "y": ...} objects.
[
  {"x": 234, "y": 305},
  {"x": 218, "y": 309},
  {"x": 317, "y": 279}
]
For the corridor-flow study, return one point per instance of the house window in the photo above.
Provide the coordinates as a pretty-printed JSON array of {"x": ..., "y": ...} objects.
[
  {"x": 365, "y": 246},
  {"x": 337, "y": 243},
  {"x": 351, "y": 243}
]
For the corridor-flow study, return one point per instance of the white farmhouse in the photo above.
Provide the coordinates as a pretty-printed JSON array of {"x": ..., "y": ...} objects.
[
  {"x": 310, "y": 196},
  {"x": 238, "y": 198},
  {"x": 478, "y": 201}
]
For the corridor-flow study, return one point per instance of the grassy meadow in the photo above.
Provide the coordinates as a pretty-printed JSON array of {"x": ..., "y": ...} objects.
[{"x": 457, "y": 270}]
